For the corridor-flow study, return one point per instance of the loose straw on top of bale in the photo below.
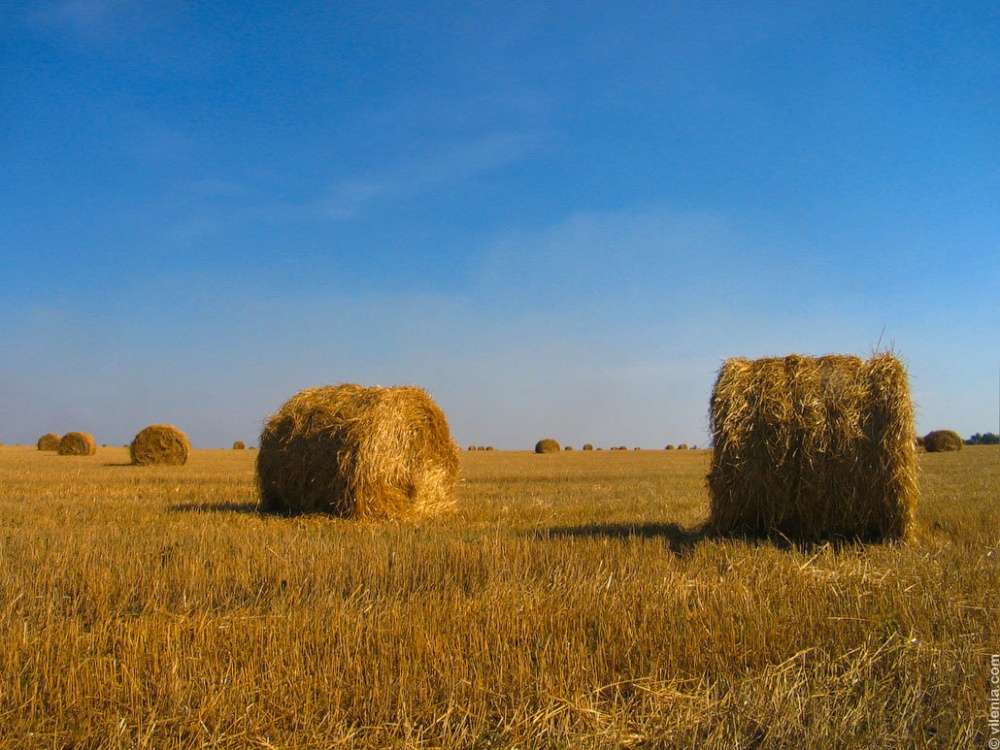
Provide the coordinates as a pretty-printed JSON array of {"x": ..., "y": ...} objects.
[
  {"x": 160, "y": 444},
  {"x": 813, "y": 448},
  {"x": 357, "y": 452},
  {"x": 547, "y": 445},
  {"x": 49, "y": 442},
  {"x": 239, "y": 445},
  {"x": 77, "y": 444},
  {"x": 938, "y": 441}
]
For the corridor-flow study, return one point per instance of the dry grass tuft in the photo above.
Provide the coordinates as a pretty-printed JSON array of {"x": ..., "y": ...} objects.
[
  {"x": 239, "y": 445},
  {"x": 357, "y": 452},
  {"x": 49, "y": 442},
  {"x": 813, "y": 448},
  {"x": 942, "y": 440},
  {"x": 160, "y": 444},
  {"x": 77, "y": 444},
  {"x": 547, "y": 445}
]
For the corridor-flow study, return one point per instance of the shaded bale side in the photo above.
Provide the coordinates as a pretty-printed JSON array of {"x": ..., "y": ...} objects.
[
  {"x": 587, "y": 447},
  {"x": 813, "y": 448},
  {"x": 77, "y": 444},
  {"x": 939, "y": 441},
  {"x": 239, "y": 445},
  {"x": 547, "y": 445},
  {"x": 49, "y": 442},
  {"x": 357, "y": 452},
  {"x": 160, "y": 444}
]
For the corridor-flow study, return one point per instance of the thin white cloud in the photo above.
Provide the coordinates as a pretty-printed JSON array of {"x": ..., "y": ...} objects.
[
  {"x": 451, "y": 166},
  {"x": 96, "y": 19}
]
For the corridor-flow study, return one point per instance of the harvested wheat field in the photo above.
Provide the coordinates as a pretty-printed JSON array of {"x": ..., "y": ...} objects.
[{"x": 567, "y": 603}]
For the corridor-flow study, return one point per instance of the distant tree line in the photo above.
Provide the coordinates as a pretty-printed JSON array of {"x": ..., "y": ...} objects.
[{"x": 990, "y": 438}]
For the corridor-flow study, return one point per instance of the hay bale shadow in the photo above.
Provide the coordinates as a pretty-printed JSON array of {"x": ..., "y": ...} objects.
[
  {"x": 213, "y": 508},
  {"x": 675, "y": 537}
]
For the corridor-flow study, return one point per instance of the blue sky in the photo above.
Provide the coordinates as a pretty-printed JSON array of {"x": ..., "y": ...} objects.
[{"x": 559, "y": 218}]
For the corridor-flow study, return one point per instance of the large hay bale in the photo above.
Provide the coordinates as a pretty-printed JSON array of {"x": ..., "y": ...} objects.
[
  {"x": 357, "y": 452},
  {"x": 942, "y": 440},
  {"x": 239, "y": 445},
  {"x": 587, "y": 447},
  {"x": 547, "y": 445},
  {"x": 160, "y": 444},
  {"x": 49, "y": 442},
  {"x": 77, "y": 444},
  {"x": 813, "y": 448}
]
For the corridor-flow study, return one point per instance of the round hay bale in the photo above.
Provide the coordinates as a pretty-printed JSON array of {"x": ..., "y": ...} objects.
[
  {"x": 942, "y": 440},
  {"x": 813, "y": 448},
  {"x": 670, "y": 447},
  {"x": 473, "y": 448},
  {"x": 588, "y": 447},
  {"x": 682, "y": 447},
  {"x": 547, "y": 445},
  {"x": 239, "y": 445},
  {"x": 357, "y": 452},
  {"x": 489, "y": 448},
  {"x": 49, "y": 442},
  {"x": 568, "y": 448},
  {"x": 77, "y": 444},
  {"x": 918, "y": 442},
  {"x": 160, "y": 444}
]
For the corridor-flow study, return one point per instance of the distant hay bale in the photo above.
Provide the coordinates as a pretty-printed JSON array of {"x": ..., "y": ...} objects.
[
  {"x": 160, "y": 444},
  {"x": 588, "y": 447},
  {"x": 568, "y": 448},
  {"x": 547, "y": 445},
  {"x": 239, "y": 445},
  {"x": 942, "y": 440},
  {"x": 49, "y": 442},
  {"x": 918, "y": 442},
  {"x": 472, "y": 448},
  {"x": 490, "y": 448},
  {"x": 77, "y": 444},
  {"x": 637, "y": 448},
  {"x": 357, "y": 452},
  {"x": 682, "y": 447},
  {"x": 669, "y": 447},
  {"x": 813, "y": 448}
]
